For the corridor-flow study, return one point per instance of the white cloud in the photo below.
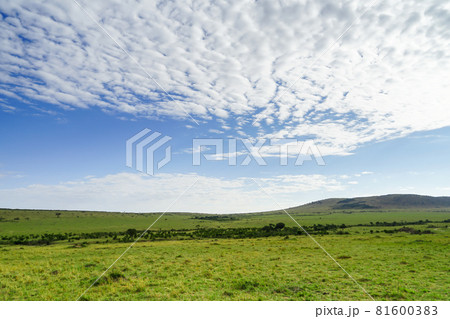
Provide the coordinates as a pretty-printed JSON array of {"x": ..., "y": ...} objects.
[
  {"x": 142, "y": 193},
  {"x": 386, "y": 77},
  {"x": 10, "y": 174},
  {"x": 214, "y": 131}
]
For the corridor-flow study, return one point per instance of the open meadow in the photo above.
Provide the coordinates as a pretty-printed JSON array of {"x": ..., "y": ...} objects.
[{"x": 394, "y": 255}]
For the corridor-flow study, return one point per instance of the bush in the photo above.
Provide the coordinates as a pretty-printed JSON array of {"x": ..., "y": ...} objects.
[
  {"x": 279, "y": 226},
  {"x": 131, "y": 232}
]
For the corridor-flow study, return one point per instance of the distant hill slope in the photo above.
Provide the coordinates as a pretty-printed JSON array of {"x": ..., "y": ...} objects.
[{"x": 399, "y": 201}]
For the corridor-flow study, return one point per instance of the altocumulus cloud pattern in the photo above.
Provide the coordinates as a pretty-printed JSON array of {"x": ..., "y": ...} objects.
[{"x": 242, "y": 63}]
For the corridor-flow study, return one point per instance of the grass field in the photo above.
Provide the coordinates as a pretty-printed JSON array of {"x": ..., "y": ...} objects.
[
  {"x": 390, "y": 266},
  {"x": 38, "y": 222}
]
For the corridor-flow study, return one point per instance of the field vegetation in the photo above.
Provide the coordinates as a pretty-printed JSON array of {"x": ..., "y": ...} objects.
[{"x": 394, "y": 254}]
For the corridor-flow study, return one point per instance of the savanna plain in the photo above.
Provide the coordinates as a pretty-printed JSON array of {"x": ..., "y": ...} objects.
[{"x": 395, "y": 254}]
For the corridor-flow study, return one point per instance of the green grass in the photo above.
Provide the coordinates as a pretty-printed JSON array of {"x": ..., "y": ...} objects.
[
  {"x": 390, "y": 267},
  {"x": 38, "y": 222},
  {"x": 398, "y": 266}
]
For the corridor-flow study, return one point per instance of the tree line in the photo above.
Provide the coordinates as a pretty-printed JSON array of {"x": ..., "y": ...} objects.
[{"x": 279, "y": 229}]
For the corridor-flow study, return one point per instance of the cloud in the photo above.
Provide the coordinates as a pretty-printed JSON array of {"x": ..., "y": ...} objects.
[
  {"x": 240, "y": 62},
  {"x": 214, "y": 131},
  {"x": 10, "y": 174},
  {"x": 134, "y": 192}
]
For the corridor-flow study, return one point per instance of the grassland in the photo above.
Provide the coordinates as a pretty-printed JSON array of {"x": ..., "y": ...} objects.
[
  {"x": 389, "y": 264},
  {"x": 41, "y": 221}
]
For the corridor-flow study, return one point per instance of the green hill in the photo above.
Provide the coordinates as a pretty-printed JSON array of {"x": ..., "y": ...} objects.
[
  {"x": 349, "y": 211},
  {"x": 393, "y": 201}
]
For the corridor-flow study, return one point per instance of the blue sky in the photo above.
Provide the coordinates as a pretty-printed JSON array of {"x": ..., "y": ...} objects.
[{"x": 374, "y": 100}]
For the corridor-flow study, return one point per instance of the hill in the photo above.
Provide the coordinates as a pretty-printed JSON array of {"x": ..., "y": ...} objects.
[
  {"x": 349, "y": 211},
  {"x": 392, "y": 201}
]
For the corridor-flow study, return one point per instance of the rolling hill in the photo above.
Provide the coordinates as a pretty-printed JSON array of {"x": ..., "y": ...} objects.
[
  {"x": 350, "y": 211},
  {"x": 392, "y": 201}
]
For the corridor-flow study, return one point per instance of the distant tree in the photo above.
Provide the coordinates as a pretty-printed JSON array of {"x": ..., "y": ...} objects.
[
  {"x": 131, "y": 232},
  {"x": 279, "y": 226}
]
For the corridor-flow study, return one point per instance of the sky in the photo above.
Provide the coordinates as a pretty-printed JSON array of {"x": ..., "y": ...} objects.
[{"x": 364, "y": 83}]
